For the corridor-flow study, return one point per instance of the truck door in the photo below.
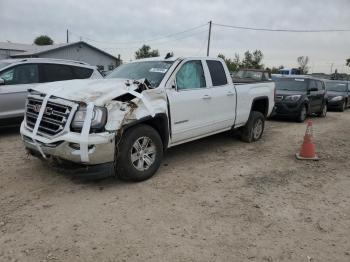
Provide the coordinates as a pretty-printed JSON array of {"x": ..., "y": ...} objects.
[
  {"x": 190, "y": 102},
  {"x": 313, "y": 97},
  {"x": 223, "y": 103}
]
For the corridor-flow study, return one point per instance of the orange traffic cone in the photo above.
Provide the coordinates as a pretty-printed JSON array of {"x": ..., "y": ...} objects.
[{"x": 307, "y": 151}]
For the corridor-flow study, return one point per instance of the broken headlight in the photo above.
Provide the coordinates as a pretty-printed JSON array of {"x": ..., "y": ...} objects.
[{"x": 98, "y": 119}]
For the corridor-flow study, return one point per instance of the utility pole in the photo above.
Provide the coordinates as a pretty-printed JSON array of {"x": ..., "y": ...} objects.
[
  {"x": 209, "y": 35},
  {"x": 67, "y": 37},
  {"x": 332, "y": 67}
]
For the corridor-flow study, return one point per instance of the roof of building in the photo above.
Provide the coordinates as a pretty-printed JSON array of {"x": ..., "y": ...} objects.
[
  {"x": 17, "y": 46},
  {"x": 33, "y": 50}
]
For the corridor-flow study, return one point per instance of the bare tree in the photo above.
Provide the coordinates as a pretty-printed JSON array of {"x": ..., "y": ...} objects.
[{"x": 303, "y": 64}]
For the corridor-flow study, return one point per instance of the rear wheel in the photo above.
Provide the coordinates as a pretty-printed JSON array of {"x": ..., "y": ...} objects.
[
  {"x": 138, "y": 154},
  {"x": 254, "y": 128},
  {"x": 302, "y": 114}
]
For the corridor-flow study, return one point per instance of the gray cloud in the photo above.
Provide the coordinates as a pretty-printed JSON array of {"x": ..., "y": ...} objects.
[{"x": 114, "y": 21}]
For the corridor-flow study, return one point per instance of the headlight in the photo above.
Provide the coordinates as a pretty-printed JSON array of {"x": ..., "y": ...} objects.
[
  {"x": 337, "y": 98},
  {"x": 98, "y": 119},
  {"x": 293, "y": 98}
]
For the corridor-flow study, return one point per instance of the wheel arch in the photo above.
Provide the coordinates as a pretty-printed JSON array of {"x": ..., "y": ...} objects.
[
  {"x": 159, "y": 122},
  {"x": 261, "y": 104}
]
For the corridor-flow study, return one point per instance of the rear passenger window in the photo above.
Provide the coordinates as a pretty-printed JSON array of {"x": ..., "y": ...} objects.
[
  {"x": 54, "y": 72},
  {"x": 217, "y": 73}
]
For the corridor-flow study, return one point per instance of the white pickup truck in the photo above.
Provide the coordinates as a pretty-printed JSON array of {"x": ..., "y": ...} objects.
[{"x": 122, "y": 125}]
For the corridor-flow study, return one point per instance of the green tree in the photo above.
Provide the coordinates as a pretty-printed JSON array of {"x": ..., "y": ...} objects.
[
  {"x": 145, "y": 52},
  {"x": 232, "y": 64},
  {"x": 253, "y": 60},
  {"x": 43, "y": 40},
  {"x": 303, "y": 64},
  {"x": 348, "y": 62}
]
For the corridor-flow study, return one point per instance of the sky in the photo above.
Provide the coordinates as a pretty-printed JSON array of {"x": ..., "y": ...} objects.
[{"x": 121, "y": 27}]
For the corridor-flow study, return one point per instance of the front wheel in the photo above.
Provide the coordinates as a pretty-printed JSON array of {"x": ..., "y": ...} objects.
[
  {"x": 302, "y": 114},
  {"x": 342, "y": 107},
  {"x": 138, "y": 153},
  {"x": 323, "y": 113},
  {"x": 254, "y": 128}
]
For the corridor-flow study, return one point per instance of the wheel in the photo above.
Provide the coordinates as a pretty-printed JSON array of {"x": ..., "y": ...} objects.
[
  {"x": 254, "y": 128},
  {"x": 342, "y": 107},
  {"x": 302, "y": 114},
  {"x": 323, "y": 113},
  {"x": 139, "y": 153}
]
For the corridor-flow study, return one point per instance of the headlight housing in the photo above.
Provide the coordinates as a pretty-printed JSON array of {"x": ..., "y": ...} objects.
[
  {"x": 98, "y": 119},
  {"x": 337, "y": 98},
  {"x": 293, "y": 98}
]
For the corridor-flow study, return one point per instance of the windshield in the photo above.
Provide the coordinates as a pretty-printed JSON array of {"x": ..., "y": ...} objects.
[
  {"x": 153, "y": 71},
  {"x": 337, "y": 87},
  {"x": 3, "y": 64},
  {"x": 249, "y": 74},
  {"x": 292, "y": 84}
]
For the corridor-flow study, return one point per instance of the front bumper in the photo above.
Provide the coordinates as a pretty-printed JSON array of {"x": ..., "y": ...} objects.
[
  {"x": 287, "y": 109},
  {"x": 66, "y": 146},
  {"x": 335, "y": 104}
]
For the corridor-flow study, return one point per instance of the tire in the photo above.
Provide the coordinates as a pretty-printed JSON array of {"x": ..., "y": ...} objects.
[
  {"x": 323, "y": 113},
  {"x": 139, "y": 153},
  {"x": 302, "y": 114},
  {"x": 254, "y": 128},
  {"x": 342, "y": 107}
]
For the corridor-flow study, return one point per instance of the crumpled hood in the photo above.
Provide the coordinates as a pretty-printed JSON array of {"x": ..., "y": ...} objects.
[{"x": 98, "y": 91}]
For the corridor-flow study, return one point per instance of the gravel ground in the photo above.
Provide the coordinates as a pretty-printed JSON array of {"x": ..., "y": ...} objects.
[{"x": 216, "y": 199}]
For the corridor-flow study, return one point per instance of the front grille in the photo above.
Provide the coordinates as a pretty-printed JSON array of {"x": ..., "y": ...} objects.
[{"x": 54, "y": 119}]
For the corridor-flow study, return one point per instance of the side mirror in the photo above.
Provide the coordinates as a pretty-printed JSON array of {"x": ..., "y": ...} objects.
[
  {"x": 2, "y": 81},
  {"x": 313, "y": 89}
]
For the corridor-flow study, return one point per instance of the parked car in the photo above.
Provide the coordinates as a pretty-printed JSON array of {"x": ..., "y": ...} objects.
[
  {"x": 289, "y": 72},
  {"x": 338, "y": 93},
  {"x": 123, "y": 125},
  {"x": 250, "y": 76},
  {"x": 285, "y": 72},
  {"x": 19, "y": 75},
  {"x": 299, "y": 96}
]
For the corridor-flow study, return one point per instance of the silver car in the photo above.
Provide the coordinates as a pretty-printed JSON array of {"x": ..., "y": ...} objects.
[{"x": 19, "y": 75}]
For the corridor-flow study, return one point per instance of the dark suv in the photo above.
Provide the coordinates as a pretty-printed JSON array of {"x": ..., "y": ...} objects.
[
  {"x": 338, "y": 93},
  {"x": 299, "y": 96}
]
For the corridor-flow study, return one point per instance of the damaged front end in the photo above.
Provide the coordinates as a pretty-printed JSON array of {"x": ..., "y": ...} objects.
[{"x": 59, "y": 126}]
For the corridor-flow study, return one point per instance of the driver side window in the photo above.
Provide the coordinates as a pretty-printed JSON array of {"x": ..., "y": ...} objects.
[
  {"x": 190, "y": 76},
  {"x": 312, "y": 84}
]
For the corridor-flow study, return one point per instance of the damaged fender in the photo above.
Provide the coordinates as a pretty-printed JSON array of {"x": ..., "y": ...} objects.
[{"x": 125, "y": 104}]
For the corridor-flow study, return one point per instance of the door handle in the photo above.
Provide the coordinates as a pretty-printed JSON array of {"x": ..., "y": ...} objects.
[
  {"x": 230, "y": 93},
  {"x": 206, "y": 97}
]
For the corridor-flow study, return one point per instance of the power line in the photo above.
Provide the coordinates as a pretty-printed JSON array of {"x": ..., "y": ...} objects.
[
  {"x": 283, "y": 30},
  {"x": 156, "y": 44},
  {"x": 140, "y": 41}
]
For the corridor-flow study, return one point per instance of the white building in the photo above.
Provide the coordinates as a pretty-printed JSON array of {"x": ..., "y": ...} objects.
[{"x": 79, "y": 51}]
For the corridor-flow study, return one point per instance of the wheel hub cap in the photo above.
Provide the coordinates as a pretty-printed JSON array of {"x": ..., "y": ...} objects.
[
  {"x": 143, "y": 153},
  {"x": 258, "y": 129}
]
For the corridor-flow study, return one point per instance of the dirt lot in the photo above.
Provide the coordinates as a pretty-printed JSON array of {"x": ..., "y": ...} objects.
[{"x": 216, "y": 199}]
